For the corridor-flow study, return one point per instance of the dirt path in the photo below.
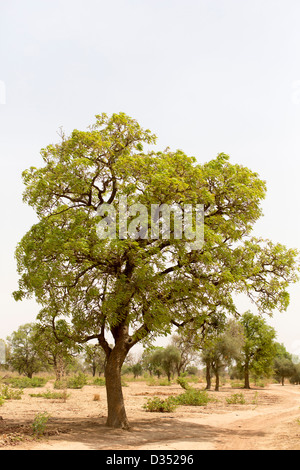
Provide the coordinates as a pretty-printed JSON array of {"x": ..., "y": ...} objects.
[{"x": 270, "y": 419}]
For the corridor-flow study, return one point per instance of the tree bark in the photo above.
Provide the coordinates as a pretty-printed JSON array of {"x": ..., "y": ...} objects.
[
  {"x": 116, "y": 414},
  {"x": 217, "y": 386},
  {"x": 246, "y": 376},
  {"x": 208, "y": 376}
]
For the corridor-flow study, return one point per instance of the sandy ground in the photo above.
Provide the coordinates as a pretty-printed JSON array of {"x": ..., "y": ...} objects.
[{"x": 270, "y": 420}]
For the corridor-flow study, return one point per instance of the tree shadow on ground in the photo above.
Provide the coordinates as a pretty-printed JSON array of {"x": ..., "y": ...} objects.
[{"x": 95, "y": 435}]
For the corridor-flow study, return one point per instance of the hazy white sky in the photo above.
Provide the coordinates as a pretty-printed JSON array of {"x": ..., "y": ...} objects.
[{"x": 206, "y": 76}]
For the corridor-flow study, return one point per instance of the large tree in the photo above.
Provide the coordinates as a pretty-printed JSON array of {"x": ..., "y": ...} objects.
[{"x": 141, "y": 286}]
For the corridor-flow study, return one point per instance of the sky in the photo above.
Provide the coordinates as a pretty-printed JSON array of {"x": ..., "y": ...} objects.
[{"x": 206, "y": 76}]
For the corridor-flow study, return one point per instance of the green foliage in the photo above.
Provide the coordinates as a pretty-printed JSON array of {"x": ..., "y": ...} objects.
[
  {"x": 137, "y": 369},
  {"x": 193, "y": 397},
  {"x": 49, "y": 395},
  {"x": 182, "y": 381},
  {"x": 259, "y": 349},
  {"x": 39, "y": 424},
  {"x": 77, "y": 381},
  {"x": 25, "y": 382},
  {"x": 99, "y": 381},
  {"x": 295, "y": 377},
  {"x": 23, "y": 355},
  {"x": 131, "y": 285},
  {"x": 7, "y": 393},
  {"x": 283, "y": 364},
  {"x": 160, "y": 405},
  {"x": 236, "y": 399},
  {"x": 60, "y": 384}
]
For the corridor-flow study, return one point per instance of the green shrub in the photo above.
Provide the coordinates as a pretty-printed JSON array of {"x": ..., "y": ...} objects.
[
  {"x": 39, "y": 423},
  {"x": 99, "y": 381},
  {"x": 164, "y": 382},
  {"x": 7, "y": 393},
  {"x": 60, "y": 384},
  {"x": 193, "y": 397},
  {"x": 25, "y": 382},
  {"x": 237, "y": 384},
  {"x": 236, "y": 399},
  {"x": 156, "y": 404},
  {"x": 77, "y": 381},
  {"x": 182, "y": 381}
]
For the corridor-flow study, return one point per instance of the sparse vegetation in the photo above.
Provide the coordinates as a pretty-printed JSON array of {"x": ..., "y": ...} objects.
[
  {"x": 193, "y": 397},
  {"x": 160, "y": 405},
  {"x": 39, "y": 424},
  {"x": 49, "y": 395},
  {"x": 236, "y": 399}
]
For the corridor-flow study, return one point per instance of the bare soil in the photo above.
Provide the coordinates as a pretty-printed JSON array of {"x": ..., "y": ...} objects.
[{"x": 269, "y": 420}]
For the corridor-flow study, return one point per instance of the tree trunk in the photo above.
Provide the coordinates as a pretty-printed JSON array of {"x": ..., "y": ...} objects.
[
  {"x": 246, "y": 375},
  {"x": 59, "y": 367},
  {"x": 208, "y": 376},
  {"x": 116, "y": 416},
  {"x": 217, "y": 386}
]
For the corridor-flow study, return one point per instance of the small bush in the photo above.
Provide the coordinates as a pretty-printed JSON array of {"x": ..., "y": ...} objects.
[
  {"x": 26, "y": 382},
  {"x": 164, "y": 383},
  {"x": 7, "y": 393},
  {"x": 60, "y": 384},
  {"x": 78, "y": 381},
  {"x": 193, "y": 397},
  {"x": 156, "y": 404},
  {"x": 237, "y": 384},
  {"x": 99, "y": 381},
  {"x": 236, "y": 399},
  {"x": 39, "y": 424}
]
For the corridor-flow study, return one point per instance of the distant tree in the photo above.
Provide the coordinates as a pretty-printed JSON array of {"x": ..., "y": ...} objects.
[
  {"x": 151, "y": 361},
  {"x": 137, "y": 369},
  {"x": 222, "y": 347},
  {"x": 192, "y": 370},
  {"x": 94, "y": 358},
  {"x": 53, "y": 344},
  {"x": 24, "y": 356},
  {"x": 170, "y": 358},
  {"x": 283, "y": 364},
  {"x": 295, "y": 377},
  {"x": 259, "y": 350},
  {"x": 186, "y": 346}
]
